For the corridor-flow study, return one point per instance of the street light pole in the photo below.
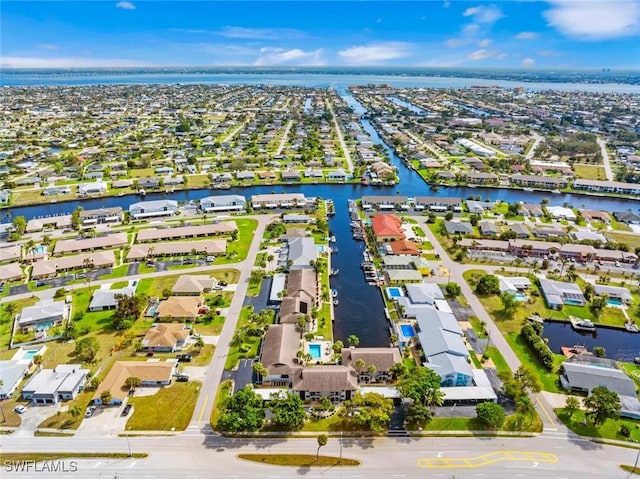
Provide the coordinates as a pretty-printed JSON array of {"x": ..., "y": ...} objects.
[{"x": 636, "y": 463}]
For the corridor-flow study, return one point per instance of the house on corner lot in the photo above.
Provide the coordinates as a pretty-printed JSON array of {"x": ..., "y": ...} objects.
[
  {"x": 48, "y": 386},
  {"x": 165, "y": 337},
  {"x": 151, "y": 374},
  {"x": 371, "y": 364},
  {"x": 193, "y": 285}
]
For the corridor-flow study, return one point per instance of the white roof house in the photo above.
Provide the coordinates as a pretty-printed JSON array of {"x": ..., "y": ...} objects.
[
  {"x": 223, "y": 203},
  {"x": 146, "y": 209},
  {"x": 51, "y": 385},
  {"x": 560, "y": 212},
  {"x": 425, "y": 293},
  {"x": 43, "y": 314},
  {"x": 301, "y": 252},
  {"x": 104, "y": 299},
  {"x": 614, "y": 292},
  {"x": 92, "y": 188}
]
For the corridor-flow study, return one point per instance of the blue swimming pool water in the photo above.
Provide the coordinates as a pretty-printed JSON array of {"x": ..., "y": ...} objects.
[
  {"x": 315, "y": 351},
  {"x": 29, "y": 354},
  {"x": 572, "y": 301},
  {"x": 40, "y": 249},
  {"x": 407, "y": 330},
  {"x": 520, "y": 297},
  {"x": 394, "y": 292},
  {"x": 614, "y": 302}
]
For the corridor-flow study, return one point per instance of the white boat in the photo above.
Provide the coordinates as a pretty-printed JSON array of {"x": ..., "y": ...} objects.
[
  {"x": 334, "y": 272},
  {"x": 582, "y": 324},
  {"x": 332, "y": 239},
  {"x": 334, "y": 293},
  {"x": 336, "y": 302},
  {"x": 527, "y": 189}
]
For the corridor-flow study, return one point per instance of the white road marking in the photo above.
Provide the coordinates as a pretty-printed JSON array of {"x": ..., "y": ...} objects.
[{"x": 97, "y": 465}]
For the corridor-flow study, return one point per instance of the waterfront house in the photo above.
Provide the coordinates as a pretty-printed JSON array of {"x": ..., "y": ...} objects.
[
  {"x": 557, "y": 293},
  {"x": 291, "y": 175},
  {"x": 527, "y": 209},
  {"x": 438, "y": 204},
  {"x": 384, "y": 202},
  {"x": 337, "y": 175},
  {"x": 101, "y": 215},
  {"x": 279, "y": 200},
  {"x": 607, "y": 186},
  {"x": 627, "y": 217},
  {"x": 149, "y": 182},
  {"x": 302, "y": 283},
  {"x": 583, "y": 373},
  {"x": 387, "y": 227},
  {"x": 49, "y": 386},
  {"x": 223, "y": 203},
  {"x": 56, "y": 190},
  {"x": 96, "y": 188},
  {"x": 150, "y": 209},
  {"x": 245, "y": 175},
  {"x": 616, "y": 293},
  {"x": 165, "y": 337},
  {"x": 535, "y": 181},
  {"x": 337, "y": 383},
  {"x": 301, "y": 253},
  {"x": 480, "y": 178}
]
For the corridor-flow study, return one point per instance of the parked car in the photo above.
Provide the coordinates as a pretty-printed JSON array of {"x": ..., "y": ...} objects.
[
  {"x": 184, "y": 358},
  {"x": 222, "y": 283},
  {"x": 187, "y": 261},
  {"x": 127, "y": 410},
  {"x": 20, "y": 409},
  {"x": 89, "y": 412},
  {"x": 182, "y": 378},
  {"x": 211, "y": 259},
  {"x": 40, "y": 283}
]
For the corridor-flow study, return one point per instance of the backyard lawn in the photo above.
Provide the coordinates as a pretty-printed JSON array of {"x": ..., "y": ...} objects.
[
  {"x": 6, "y": 319},
  {"x": 171, "y": 408}
]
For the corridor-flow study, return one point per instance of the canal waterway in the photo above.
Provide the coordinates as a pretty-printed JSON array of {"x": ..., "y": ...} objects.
[{"x": 361, "y": 308}]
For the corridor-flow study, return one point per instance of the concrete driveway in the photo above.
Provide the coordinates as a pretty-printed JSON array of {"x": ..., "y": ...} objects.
[
  {"x": 33, "y": 416},
  {"x": 105, "y": 420}
]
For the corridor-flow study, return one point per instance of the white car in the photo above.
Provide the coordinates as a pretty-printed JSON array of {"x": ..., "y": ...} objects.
[
  {"x": 20, "y": 409},
  {"x": 89, "y": 412}
]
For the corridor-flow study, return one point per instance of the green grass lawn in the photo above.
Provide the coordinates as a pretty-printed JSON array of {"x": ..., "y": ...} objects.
[
  {"x": 249, "y": 348},
  {"x": 64, "y": 420},
  {"x": 589, "y": 172},
  {"x": 609, "y": 430},
  {"x": 238, "y": 250},
  {"x": 299, "y": 460},
  {"x": 224, "y": 391},
  {"x": 6, "y": 319},
  {"x": 202, "y": 357},
  {"x": 171, "y": 408},
  {"x": 119, "y": 284},
  {"x": 117, "y": 272},
  {"x": 633, "y": 241}
]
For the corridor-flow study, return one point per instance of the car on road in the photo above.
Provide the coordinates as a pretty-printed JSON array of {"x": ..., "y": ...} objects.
[
  {"x": 127, "y": 410},
  {"x": 211, "y": 259},
  {"x": 182, "y": 378},
  {"x": 184, "y": 358},
  {"x": 188, "y": 261},
  {"x": 40, "y": 283},
  {"x": 20, "y": 409},
  {"x": 89, "y": 412}
]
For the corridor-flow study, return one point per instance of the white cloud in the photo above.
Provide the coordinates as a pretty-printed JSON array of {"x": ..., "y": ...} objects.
[
  {"x": 549, "y": 53},
  {"x": 68, "y": 62},
  {"x": 48, "y": 46},
  {"x": 260, "y": 33},
  {"x": 526, "y": 36},
  {"x": 528, "y": 62},
  {"x": 280, "y": 56},
  {"x": 126, "y": 5},
  {"x": 484, "y": 13},
  {"x": 373, "y": 53},
  {"x": 484, "y": 54},
  {"x": 226, "y": 50},
  {"x": 591, "y": 20},
  {"x": 379, "y": 20},
  {"x": 485, "y": 42}
]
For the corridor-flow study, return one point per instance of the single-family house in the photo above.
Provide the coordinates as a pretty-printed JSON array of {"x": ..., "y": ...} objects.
[
  {"x": 151, "y": 374},
  {"x": 96, "y": 188},
  {"x": 179, "y": 308},
  {"x": 337, "y": 175},
  {"x": 105, "y": 299},
  {"x": 43, "y": 315},
  {"x": 165, "y": 337},
  {"x": 48, "y": 386},
  {"x": 488, "y": 228},
  {"x": 458, "y": 227},
  {"x": 616, "y": 293},
  {"x": 557, "y": 293},
  {"x": 302, "y": 252},
  {"x": 387, "y": 227},
  {"x": 12, "y": 373},
  {"x": 223, "y": 203},
  {"x": 584, "y": 373},
  {"x": 193, "y": 285}
]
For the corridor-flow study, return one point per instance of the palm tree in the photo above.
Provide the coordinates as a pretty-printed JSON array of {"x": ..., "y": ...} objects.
[
  {"x": 199, "y": 343},
  {"x": 323, "y": 439},
  {"x": 132, "y": 382},
  {"x": 360, "y": 364},
  {"x": 37, "y": 360},
  {"x": 353, "y": 340},
  {"x": 75, "y": 411}
]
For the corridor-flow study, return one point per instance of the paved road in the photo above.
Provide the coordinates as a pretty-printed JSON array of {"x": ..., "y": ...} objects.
[
  {"x": 605, "y": 158},
  {"x": 198, "y": 456},
  {"x": 343, "y": 144},
  {"x": 285, "y": 135},
  {"x": 536, "y": 141}
]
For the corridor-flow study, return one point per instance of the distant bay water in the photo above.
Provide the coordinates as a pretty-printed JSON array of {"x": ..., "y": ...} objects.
[{"x": 339, "y": 81}]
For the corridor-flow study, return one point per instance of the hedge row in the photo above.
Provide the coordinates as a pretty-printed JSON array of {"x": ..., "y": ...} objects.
[{"x": 531, "y": 333}]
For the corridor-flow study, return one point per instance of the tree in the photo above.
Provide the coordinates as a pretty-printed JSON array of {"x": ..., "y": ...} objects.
[
  {"x": 603, "y": 404},
  {"x": 105, "y": 397},
  {"x": 353, "y": 340},
  {"x": 359, "y": 365},
  {"x": 369, "y": 410},
  {"x": 599, "y": 352},
  {"x": 598, "y": 303},
  {"x": 488, "y": 284},
  {"x": 337, "y": 346},
  {"x": 419, "y": 414},
  {"x": 242, "y": 412},
  {"x": 75, "y": 411},
  {"x": 397, "y": 370},
  {"x": 20, "y": 225},
  {"x": 76, "y": 221},
  {"x": 259, "y": 369},
  {"x": 37, "y": 360},
  {"x": 571, "y": 405},
  {"x": 509, "y": 303},
  {"x": 453, "y": 289},
  {"x": 87, "y": 348},
  {"x": 421, "y": 385},
  {"x": 288, "y": 412},
  {"x": 128, "y": 310},
  {"x": 526, "y": 381},
  {"x": 132, "y": 382},
  {"x": 491, "y": 414},
  {"x": 323, "y": 439},
  {"x": 199, "y": 343}
]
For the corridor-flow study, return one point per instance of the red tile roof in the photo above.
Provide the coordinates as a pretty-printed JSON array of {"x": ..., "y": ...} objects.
[{"x": 387, "y": 225}]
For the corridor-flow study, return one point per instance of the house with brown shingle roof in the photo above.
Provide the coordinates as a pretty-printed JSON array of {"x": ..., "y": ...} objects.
[
  {"x": 382, "y": 359},
  {"x": 179, "y": 308},
  {"x": 151, "y": 373},
  {"x": 278, "y": 355},
  {"x": 338, "y": 383},
  {"x": 193, "y": 285},
  {"x": 302, "y": 284},
  {"x": 165, "y": 337}
]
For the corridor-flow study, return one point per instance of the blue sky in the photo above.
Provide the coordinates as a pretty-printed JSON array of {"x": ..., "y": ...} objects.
[{"x": 443, "y": 33}]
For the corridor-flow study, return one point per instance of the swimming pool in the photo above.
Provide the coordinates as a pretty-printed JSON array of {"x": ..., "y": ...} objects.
[
  {"x": 520, "y": 297},
  {"x": 315, "y": 350},
  {"x": 30, "y": 353},
  {"x": 40, "y": 249},
  {"x": 573, "y": 302},
  {"x": 614, "y": 302},
  {"x": 407, "y": 330},
  {"x": 393, "y": 293}
]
